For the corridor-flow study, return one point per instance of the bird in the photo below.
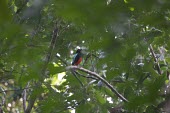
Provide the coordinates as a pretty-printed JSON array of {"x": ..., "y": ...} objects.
[{"x": 77, "y": 58}]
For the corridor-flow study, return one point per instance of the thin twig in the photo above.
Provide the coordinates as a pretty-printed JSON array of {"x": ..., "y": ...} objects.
[
  {"x": 73, "y": 72},
  {"x": 145, "y": 77},
  {"x": 86, "y": 76},
  {"x": 87, "y": 57},
  {"x": 117, "y": 81},
  {"x": 100, "y": 78},
  {"x": 92, "y": 63},
  {"x": 155, "y": 59},
  {"x": 63, "y": 30}
]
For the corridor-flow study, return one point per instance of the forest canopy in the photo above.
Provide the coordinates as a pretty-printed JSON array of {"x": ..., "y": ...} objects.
[{"x": 124, "y": 49}]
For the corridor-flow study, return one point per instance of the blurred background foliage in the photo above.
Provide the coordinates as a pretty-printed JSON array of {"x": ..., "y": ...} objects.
[{"x": 117, "y": 38}]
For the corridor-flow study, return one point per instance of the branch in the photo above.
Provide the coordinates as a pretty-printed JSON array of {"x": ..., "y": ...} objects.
[
  {"x": 86, "y": 76},
  {"x": 145, "y": 77},
  {"x": 117, "y": 81},
  {"x": 73, "y": 72},
  {"x": 24, "y": 100},
  {"x": 87, "y": 57},
  {"x": 30, "y": 104},
  {"x": 155, "y": 59},
  {"x": 63, "y": 30},
  {"x": 3, "y": 97},
  {"x": 51, "y": 48},
  {"x": 24, "y": 96},
  {"x": 47, "y": 60},
  {"x": 100, "y": 78}
]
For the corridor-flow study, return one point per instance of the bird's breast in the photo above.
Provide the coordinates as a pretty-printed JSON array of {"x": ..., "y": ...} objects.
[{"x": 79, "y": 60}]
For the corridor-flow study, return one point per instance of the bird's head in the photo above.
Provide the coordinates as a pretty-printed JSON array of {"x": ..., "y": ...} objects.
[{"x": 78, "y": 50}]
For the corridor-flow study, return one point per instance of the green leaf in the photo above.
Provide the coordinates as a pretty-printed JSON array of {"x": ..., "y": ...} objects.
[
  {"x": 108, "y": 92},
  {"x": 83, "y": 108},
  {"x": 55, "y": 69},
  {"x": 99, "y": 98},
  {"x": 4, "y": 11}
]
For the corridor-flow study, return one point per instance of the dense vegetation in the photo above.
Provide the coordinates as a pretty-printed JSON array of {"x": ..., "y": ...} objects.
[{"x": 126, "y": 58}]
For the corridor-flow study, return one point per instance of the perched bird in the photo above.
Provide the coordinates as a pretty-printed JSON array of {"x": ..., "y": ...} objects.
[{"x": 77, "y": 58}]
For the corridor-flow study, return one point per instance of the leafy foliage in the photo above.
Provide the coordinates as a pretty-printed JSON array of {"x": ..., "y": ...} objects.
[{"x": 125, "y": 41}]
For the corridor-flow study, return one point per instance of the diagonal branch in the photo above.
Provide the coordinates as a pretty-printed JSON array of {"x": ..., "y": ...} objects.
[
  {"x": 73, "y": 72},
  {"x": 155, "y": 59},
  {"x": 44, "y": 68},
  {"x": 24, "y": 96},
  {"x": 51, "y": 48},
  {"x": 100, "y": 78},
  {"x": 86, "y": 76}
]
